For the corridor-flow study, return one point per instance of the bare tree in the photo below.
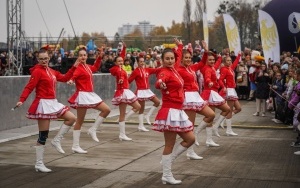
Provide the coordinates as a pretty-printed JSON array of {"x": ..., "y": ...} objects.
[{"x": 187, "y": 17}]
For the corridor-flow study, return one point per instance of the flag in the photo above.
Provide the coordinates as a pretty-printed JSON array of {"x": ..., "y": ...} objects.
[
  {"x": 205, "y": 28},
  {"x": 269, "y": 37},
  {"x": 232, "y": 32},
  {"x": 294, "y": 22}
]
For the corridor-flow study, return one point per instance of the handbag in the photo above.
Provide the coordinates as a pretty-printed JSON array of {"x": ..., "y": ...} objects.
[{"x": 239, "y": 78}]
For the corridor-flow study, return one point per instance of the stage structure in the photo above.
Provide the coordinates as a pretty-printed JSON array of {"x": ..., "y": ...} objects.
[{"x": 14, "y": 36}]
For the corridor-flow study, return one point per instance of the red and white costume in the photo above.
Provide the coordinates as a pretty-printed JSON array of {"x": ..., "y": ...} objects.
[
  {"x": 122, "y": 93},
  {"x": 84, "y": 95},
  {"x": 227, "y": 80},
  {"x": 171, "y": 117},
  {"x": 210, "y": 94},
  {"x": 45, "y": 105},
  {"x": 192, "y": 100},
  {"x": 141, "y": 77}
]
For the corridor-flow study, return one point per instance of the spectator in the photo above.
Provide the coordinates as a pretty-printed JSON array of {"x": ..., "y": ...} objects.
[
  {"x": 107, "y": 64},
  {"x": 29, "y": 59},
  {"x": 157, "y": 62},
  {"x": 278, "y": 87},
  {"x": 196, "y": 58},
  {"x": 263, "y": 89},
  {"x": 127, "y": 67},
  {"x": 148, "y": 62},
  {"x": 242, "y": 82}
]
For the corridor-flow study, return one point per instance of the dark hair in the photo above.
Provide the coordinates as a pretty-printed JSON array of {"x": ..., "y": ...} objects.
[
  {"x": 298, "y": 71},
  {"x": 166, "y": 50},
  {"x": 42, "y": 50},
  {"x": 185, "y": 51},
  {"x": 210, "y": 53},
  {"x": 115, "y": 59}
]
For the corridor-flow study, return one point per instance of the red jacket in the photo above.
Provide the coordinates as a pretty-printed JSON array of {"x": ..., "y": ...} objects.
[
  {"x": 120, "y": 74},
  {"x": 141, "y": 77},
  {"x": 189, "y": 76},
  {"x": 43, "y": 80},
  {"x": 173, "y": 96},
  {"x": 83, "y": 78},
  {"x": 227, "y": 75},
  {"x": 209, "y": 75}
]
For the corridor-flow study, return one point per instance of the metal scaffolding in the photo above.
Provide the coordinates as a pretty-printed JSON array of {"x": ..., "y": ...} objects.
[{"x": 14, "y": 37}]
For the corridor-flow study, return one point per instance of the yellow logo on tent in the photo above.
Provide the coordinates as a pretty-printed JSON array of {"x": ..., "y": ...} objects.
[
  {"x": 169, "y": 45},
  {"x": 232, "y": 36},
  {"x": 268, "y": 35}
]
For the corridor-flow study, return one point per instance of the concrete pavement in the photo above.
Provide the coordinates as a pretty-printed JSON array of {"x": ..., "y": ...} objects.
[{"x": 260, "y": 156}]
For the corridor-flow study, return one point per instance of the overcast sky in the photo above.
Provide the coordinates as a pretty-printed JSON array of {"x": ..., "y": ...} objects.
[{"x": 96, "y": 15}]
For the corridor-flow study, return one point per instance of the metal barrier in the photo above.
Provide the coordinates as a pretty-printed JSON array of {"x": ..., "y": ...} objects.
[{"x": 12, "y": 86}]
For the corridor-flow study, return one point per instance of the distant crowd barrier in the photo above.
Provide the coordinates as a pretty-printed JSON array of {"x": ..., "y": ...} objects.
[{"x": 12, "y": 86}]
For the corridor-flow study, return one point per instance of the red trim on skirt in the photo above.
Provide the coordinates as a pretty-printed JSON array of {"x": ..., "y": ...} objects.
[{"x": 48, "y": 116}]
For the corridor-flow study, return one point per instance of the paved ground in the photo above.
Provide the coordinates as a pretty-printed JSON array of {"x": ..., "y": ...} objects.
[{"x": 259, "y": 157}]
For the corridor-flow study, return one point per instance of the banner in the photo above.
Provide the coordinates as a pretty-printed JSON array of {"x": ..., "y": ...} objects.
[
  {"x": 269, "y": 37},
  {"x": 205, "y": 28},
  {"x": 232, "y": 32},
  {"x": 294, "y": 22}
]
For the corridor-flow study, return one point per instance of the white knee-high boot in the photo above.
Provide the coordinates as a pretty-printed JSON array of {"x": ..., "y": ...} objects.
[
  {"x": 57, "y": 139},
  {"x": 93, "y": 129},
  {"x": 129, "y": 114},
  {"x": 122, "y": 135},
  {"x": 217, "y": 124},
  {"x": 39, "y": 165},
  {"x": 197, "y": 130},
  {"x": 191, "y": 154},
  {"x": 229, "y": 131},
  {"x": 209, "y": 140},
  {"x": 141, "y": 123},
  {"x": 178, "y": 150},
  {"x": 76, "y": 137},
  {"x": 147, "y": 117},
  {"x": 167, "y": 177}
]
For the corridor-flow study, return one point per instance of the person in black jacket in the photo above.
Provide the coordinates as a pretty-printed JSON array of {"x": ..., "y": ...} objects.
[
  {"x": 262, "y": 81},
  {"x": 107, "y": 64}
]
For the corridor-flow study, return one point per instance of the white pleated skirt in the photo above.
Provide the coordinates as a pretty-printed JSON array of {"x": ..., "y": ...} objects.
[
  {"x": 193, "y": 101},
  {"x": 145, "y": 95},
  {"x": 127, "y": 97},
  {"x": 231, "y": 94},
  {"x": 176, "y": 121},
  {"x": 86, "y": 100},
  {"x": 48, "y": 109},
  {"x": 215, "y": 99}
]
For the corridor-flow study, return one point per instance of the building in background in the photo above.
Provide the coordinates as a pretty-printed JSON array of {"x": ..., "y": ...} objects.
[{"x": 144, "y": 26}]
